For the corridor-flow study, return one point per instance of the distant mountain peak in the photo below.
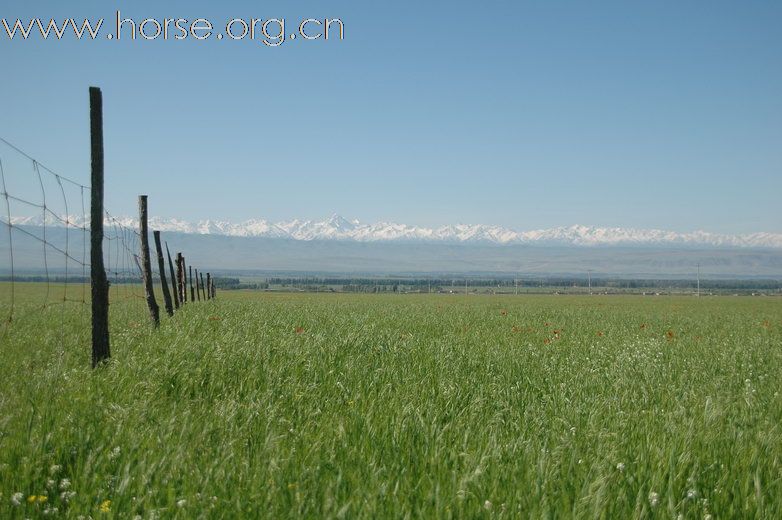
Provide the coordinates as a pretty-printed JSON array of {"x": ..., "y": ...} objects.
[
  {"x": 339, "y": 222},
  {"x": 337, "y": 227}
]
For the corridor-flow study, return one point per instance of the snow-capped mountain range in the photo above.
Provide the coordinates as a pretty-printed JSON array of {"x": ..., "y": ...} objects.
[{"x": 339, "y": 228}]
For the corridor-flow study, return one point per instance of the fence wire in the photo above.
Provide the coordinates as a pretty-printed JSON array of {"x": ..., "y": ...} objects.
[{"x": 45, "y": 236}]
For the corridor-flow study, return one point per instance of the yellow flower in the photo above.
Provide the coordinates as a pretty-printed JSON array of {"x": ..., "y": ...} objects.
[
  {"x": 105, "y": 506},
  {"x": 292, "y": 486},
  {"x": 31, "y": 499},
  {"x": 42, "y": 498}
]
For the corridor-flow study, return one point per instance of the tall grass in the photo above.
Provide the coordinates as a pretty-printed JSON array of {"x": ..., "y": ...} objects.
[{"x": 398, "y": 407}]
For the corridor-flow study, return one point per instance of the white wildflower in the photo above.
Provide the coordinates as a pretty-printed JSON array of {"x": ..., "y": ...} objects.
[
  {"x": 114, "y": 453},
  {"x": 487, "y": 505},
  {"x": 181, "y": 503},
  {"x": 65, "y": 484},
  {"x": 51, "y": 483},
  {"x": 691, "y": 494},
  {"x": 620, "y": 466},
  {"x": 66, "y": 496},
  {"x": 55, "y": 469},
  {"x": 16, "y": 499},
  {"x": 654, "y": 499}
]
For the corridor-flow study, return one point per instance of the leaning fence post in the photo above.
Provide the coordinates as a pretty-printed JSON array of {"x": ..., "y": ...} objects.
[
  {"x": 162, "y": 268},
  {"x": 99, "y": 283},
  {"x": 146, "y": 264},
  {"x": 173, "y": 278},
  {"x": 203, "y": 289},
  {"x": 208, "y": 286}
]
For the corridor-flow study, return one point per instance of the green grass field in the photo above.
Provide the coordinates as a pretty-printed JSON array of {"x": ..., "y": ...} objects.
[{"x": 340, "y": 406}]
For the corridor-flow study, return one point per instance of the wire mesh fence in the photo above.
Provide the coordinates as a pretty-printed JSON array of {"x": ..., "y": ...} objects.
[
  {"x": 44, "y": 239},
  {"x": 45, "y": 231},
  {"x": 44, "y": 236}
]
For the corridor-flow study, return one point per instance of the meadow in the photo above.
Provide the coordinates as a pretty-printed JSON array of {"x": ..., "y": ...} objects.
[{"x": 395, "y": 406}]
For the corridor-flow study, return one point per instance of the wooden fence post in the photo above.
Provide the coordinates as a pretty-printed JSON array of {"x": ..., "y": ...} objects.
[
  {"x": 173, "y": 277},
  {"x": 98, "y": 281},
  {"x": 192, "y": 289},
  {"x": 179, "y": 278},
  {"x": 197, "y": 287},
  {"x": 146, "y": 264},
  {"x": 178, "y": 264},
  {"x": 208, "y": 286},
  {"x": 162, "y": 268},
  {"x": 184, "y": 280},
  {"x": 203, "y": 289}
]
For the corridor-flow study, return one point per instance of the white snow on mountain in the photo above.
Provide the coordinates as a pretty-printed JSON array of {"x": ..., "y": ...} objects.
[{"x": 339, "y": 228}]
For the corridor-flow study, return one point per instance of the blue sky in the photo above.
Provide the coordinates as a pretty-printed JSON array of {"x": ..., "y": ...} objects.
[{"x": 524, "y": 114}]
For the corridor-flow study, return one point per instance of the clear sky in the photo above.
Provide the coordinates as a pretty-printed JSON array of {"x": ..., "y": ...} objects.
[{"x": 664, "y": 114}]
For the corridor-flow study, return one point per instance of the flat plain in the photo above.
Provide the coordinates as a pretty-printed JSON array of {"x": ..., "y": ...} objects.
[{"x": 395, "y": 406}]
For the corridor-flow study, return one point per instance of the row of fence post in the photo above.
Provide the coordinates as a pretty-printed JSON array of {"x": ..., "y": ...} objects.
[
  {"x": 182, "y": 285},
  {"x": 99, "y": 282}
]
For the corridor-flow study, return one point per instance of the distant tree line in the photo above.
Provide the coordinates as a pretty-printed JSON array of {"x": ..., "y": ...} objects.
[
  {"x": 439, "y": 284},
  {"x": 236, "y": 283},
  {"x": 392, "y": 285}
]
